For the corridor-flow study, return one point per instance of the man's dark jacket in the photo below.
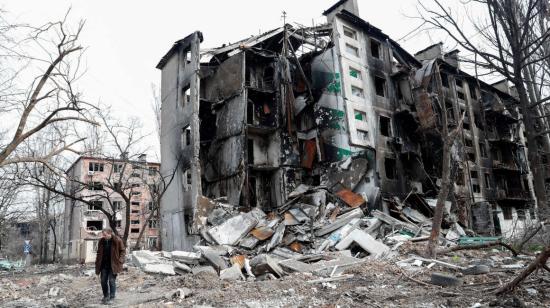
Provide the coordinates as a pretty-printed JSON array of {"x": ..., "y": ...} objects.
[{"x": 118, "y": 252}]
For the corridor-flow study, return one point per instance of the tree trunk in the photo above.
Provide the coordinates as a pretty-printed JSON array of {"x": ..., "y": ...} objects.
[{"x": 540, "y": 261}]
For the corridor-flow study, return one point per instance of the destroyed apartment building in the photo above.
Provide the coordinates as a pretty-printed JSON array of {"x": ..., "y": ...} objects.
[{"x": 306, "y": 123}]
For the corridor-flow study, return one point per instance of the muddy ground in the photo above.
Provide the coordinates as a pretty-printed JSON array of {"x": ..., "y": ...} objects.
[{"x": 376, "y": 283}]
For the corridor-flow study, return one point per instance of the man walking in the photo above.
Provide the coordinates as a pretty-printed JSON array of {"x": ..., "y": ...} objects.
[
  {"x": 27, "y": 251},
  {"x": 108, "y": 262}
]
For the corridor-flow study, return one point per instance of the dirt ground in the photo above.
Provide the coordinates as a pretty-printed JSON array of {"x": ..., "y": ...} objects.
[{"x": 376, "y": 283}]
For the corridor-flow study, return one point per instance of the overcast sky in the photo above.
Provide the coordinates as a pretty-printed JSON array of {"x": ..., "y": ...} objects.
[{"x": 126, "y": 39}]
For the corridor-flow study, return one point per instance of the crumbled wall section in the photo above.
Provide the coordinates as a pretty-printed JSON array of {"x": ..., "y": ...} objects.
[{"x": 180, "y": 140}]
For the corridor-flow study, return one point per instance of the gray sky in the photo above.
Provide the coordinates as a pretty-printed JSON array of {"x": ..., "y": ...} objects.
[{"x": 126, "y": 39}]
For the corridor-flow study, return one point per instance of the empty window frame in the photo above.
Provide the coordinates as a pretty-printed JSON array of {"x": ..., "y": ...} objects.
[
  {"x": 360, "y": 115},
  {"x": 352, "y": 50},
  {"x": 94, "y": 225},
  {"x": 507, "y": 212},
  {"x": 352, "y": 34},
  {"x": 385, "y": 126},
  {"x": 475, "y": 188},
  {"x": 118, "y": 223},
  {"x": 95, "y": 167},
  {"x": 468, "y": 142},
  {"x": 118, "y": 168},
  {"x": 356, "y": 91},
  {"x": 363, "y": 135},
  {"x": 153, "y": 224},
  {"x": 134, "y": 230},
  {"x": 375, "y": 48},
  {"x": 185, "y": 137},
  {"x": 134, "y": 211},
  {"x": 152, "y": 170},
  {"x": 135, "y": 203},
  {"x": 95, "y": 186},
  {"x": 134, "y": 222},
  {"x": 355, "y": 73},
  {"x": 390, "y": 168},
  {"x": 117, "y": 205},
  {"x": 95, "y": 205},
  {"x": 460, "y": 95},
  {"x": 473, "y": 174},
  {"x": 380, "y": 85},
  {"x": 473, "y": 93},
  {"x": 185, "y": 96}
]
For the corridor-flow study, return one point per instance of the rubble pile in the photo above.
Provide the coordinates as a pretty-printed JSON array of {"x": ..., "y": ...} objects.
[{"x": 317, "y": 231}]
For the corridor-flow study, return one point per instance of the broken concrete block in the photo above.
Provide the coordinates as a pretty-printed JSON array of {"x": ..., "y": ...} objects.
[
  {"x": 277, "y": 237},
  {"x": 144, "y": 257},
  {"x": 299, "y": 215},
  {"x": 182, "y": 267},
  {"x": 293, "y": 265},
  {"x": 165, "y": 269},
  {"x": 338, "y": 235},
  {"x": 54, "y": 292},
  {"x": 232, "y": 273},
  {"x": 263, "y": 263},
  {"x": 186, "y": 256},
  {"x": 262, "y": 233},
  {"x": 363, "y": 239},
  {"x": 203, "y": 269},
  {"x": 340, "y": 221},
  {"x": 215, "y": 260},
  {"x": 300, "y": 190},
  {"x": 179, "y": 293},
  {"x": 233, "y": 229},
  {"x": 217, "y": 216},
  {"x": 249, "y": 242},
  {"x": 290, "y": 220}
]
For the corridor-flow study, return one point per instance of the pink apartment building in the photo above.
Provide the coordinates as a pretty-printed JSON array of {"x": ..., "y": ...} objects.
[{"x": 90, "y": 178}]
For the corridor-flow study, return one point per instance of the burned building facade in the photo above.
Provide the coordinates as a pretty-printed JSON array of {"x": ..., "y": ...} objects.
[{"x": 340, "y": 106}]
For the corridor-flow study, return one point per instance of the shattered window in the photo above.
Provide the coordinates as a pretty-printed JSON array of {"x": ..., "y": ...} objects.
[
  {"x": 521, "y": 214},
  {"x": 355, "y": 73},
  {"x": 186, "y": 96},
  {"x": 375, "y": 49},
  {"x": 460, "y": 95},
  {"x": 468, "y": 142},
  {"x": 475, "y": 188},
  {"x": 361, "y": 116},
  {"x": 385, "y": 126},
  {"x": 356, "y": 91},
  {"x": 95, "y": 206},
  {"x": 487, "y": 180},
  {"x": 153, "y": 223},
  {"x": 352, "y": 50},
  {"x": 118, "y": 223},
  {"x": 380, "y": 85},
  {"x": 95, "y": 167},
  {"x": 473, "y": 174},
  {"x": 350, "y": 33},
  {"x": 117, "y": 205}
]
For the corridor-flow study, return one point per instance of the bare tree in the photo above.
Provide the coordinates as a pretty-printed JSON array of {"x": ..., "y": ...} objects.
[
  {"x": 45, "y": 100},
  {"x": 513, "y": 39},
  {"x": 508, "y": 46}
]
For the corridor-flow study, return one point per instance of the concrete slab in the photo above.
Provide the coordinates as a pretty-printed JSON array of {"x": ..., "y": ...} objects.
[
  {"x": 366, "y": 241},
  {"x": 232, "y": 273},
  {"x": 233, "y": 229},
  {"x": 165, "y": 269},
  {"x": 186, "y": 256},
  {"x": 340, "y": 221}
]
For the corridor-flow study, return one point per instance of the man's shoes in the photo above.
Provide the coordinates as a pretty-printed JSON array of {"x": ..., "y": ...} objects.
[{"x": 105, "y": 300}]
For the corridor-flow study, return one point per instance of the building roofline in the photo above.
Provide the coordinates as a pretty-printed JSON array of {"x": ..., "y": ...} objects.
[
  {"x": 369, "y": 28},
  {"x": 181, "y": 44},
  {"x": 107, "y": 159},
  {"x": 334, "y": 7}
]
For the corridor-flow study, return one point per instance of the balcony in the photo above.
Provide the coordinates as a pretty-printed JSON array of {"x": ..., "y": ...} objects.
[
  {"x": 512, "y": 194},
  {"x": 505, "y": 166}
]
